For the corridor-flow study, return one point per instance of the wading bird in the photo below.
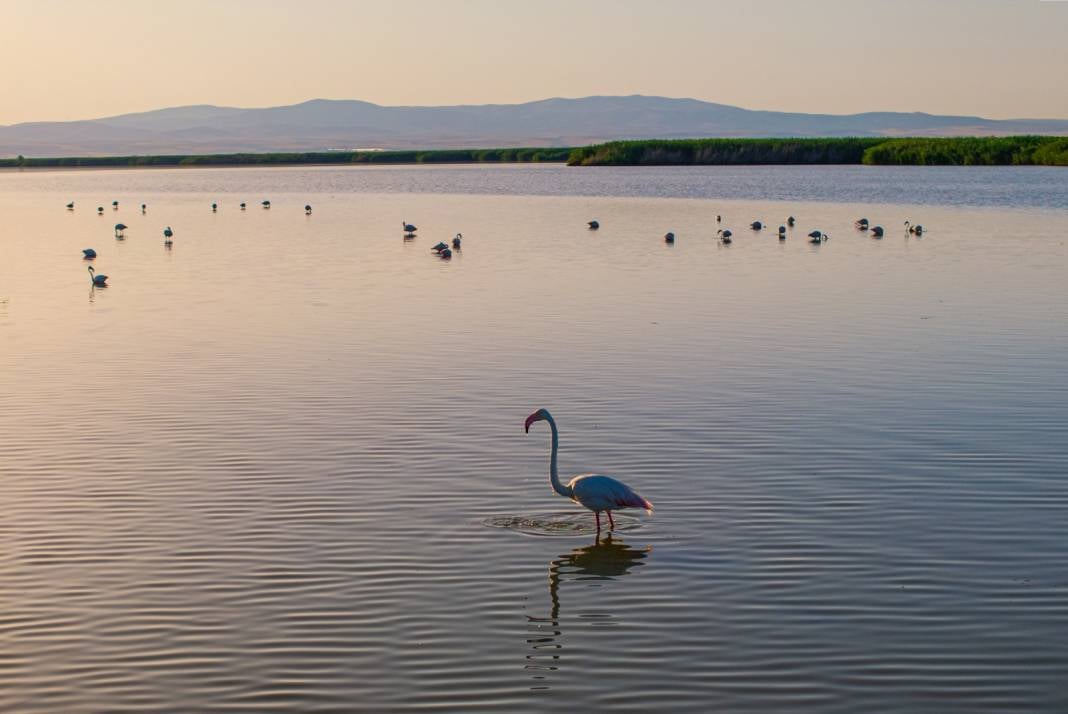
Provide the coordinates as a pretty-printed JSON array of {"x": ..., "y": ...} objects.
[
  {"x": 594, "y": 491},
  {"x": 446, "y": 253},
  {"x": 100, "y": 210},
  {"x": 307, "y": 210},
  {"x": 168, "y": 234},
  {"x": 756, "y": 225},
  {"x": 861, "y": 224},
  {"x": 439, "y": 247},
  {"x": 725, "y": 235},
  {"x": 782, "y": 232},
  {"x": 594, "y": 225},
  {"x": 914, "y": 230},
  {"x": 143, "y": 208},
  {"x": 719, "y": 218},
  {"x": 669, "y": 237},
  {"x": 89, "y": 253},
  {"x": 790, "y": 221},
  {"x": 242, "y": 205},
  {"x": 100, "y": 281},
  {"x": 120, "y": 230},
  {"x": 409, "y": 229},
  {"x": 877, "y": 232},
  {"x": 265, "y": 204},
  {"x": 818, "y": 237},
  {"x": 70, "y": 206},
  {"x": 115, "y": 205},
  {"x": 214, "y": 207},
  {"x": 457, "y": 240}
]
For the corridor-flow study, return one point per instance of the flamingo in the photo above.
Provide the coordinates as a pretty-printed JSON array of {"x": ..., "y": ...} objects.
[
  {"x": 120, "y": 229},
  {"x": 307, "y": 210},
  {"x": 914, "y": 229},
  {"x": 725, "y": 235},
  {"x": 214, "y": 207},
  {"x": 167, "y": 235},
  {"x": 719, "y": 218},
  {"x": 790, "y": 221},
  {"x": 70, "y": 206},
  {"x": 143, "y": 208},
  {"x": 242, "y": 205},
  {"x": 446, "y": 253},
  {"x": 457, "y": 240},
  {"x": 756, "y": 225},
  {"x": 782, "y": 232},
  {"x": 265, "y": 204},
  {"x": 89, "y": 253},
  {"x": 669, "y": 237},
  {"x": 594, "y": 491},
  {"x": 114, "y": 205},
  {"x": 100, "y": 210},
  {"x": 409, "y": 229},
  {"x": 99, "y": 281},
  {"x": 439, "y": 247},
  {"x": 818, "y": 237},
  {"x": 594, "y": 225},
  {"x": 877, "y": 232},
  {"x": 861, "y": 224}
]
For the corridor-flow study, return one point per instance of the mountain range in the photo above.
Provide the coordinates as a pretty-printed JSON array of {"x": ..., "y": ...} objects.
[{"x": 324, "y": 124}]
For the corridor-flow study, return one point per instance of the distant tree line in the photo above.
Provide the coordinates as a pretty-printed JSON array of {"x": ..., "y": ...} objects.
[
  {"x": 440, "y": 156},
  {"x": 943, "y": 151},
  {"x": 951, "y": 151}
]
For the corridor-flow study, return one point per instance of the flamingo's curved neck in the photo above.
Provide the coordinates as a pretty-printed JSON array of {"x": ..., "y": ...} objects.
[{"x": 554, "y": 476}]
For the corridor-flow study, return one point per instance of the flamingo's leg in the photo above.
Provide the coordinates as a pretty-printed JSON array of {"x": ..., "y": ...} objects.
[
  {"x": 611, "y": 523},
  {"x": 597, "y": 515}
]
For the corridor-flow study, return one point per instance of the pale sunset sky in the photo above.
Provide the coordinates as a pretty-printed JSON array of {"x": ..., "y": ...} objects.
[{"x": 65, "y": 60}]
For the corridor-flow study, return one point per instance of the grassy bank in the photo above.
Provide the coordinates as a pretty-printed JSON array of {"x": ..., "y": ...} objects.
[
  {"x": 954, "y": 151},
  {"x": 441, "y": 156}
]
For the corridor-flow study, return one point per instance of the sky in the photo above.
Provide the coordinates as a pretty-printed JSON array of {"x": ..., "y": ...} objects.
[{"x": 63, "y": 60}]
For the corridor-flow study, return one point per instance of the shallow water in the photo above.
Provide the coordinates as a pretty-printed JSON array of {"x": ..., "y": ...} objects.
[{"x": 281, "y": 466}]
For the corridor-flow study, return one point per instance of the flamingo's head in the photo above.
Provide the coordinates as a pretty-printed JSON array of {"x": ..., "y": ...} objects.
[{"x": 539, "y": 415}]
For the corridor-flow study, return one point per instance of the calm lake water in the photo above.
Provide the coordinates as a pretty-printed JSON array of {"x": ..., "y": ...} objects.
[{"x": 281, "y": 466}]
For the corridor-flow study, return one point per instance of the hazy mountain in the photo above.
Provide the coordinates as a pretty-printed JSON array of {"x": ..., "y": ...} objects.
[{"x": 347, "y": 124}]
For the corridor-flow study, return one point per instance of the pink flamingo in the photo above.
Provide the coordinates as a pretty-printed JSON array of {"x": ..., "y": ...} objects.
[{"x": 594, "y": 491}]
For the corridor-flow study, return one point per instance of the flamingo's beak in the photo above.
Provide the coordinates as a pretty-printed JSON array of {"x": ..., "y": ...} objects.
[{"x": 530, "y": 420}]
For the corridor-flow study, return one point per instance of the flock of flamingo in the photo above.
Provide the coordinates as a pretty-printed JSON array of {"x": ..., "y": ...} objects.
[
  {"x": 597, "y": 492},
  {"x": 725, "y": 235}
]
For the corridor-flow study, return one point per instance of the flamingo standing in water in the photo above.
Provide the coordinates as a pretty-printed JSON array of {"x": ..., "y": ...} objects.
[
  {"x": 70, "y": 206},
  {"x": 594, "y": 491},
  {"x": 99, "y": 281},
  {"x": 120, "y": 230},
  {"x": 409, "y": 229}
]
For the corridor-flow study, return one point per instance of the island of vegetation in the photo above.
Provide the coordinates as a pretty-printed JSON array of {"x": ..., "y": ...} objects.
[
  {"x": 905, "y": 151},
  {"x": 948, "y": 151}
]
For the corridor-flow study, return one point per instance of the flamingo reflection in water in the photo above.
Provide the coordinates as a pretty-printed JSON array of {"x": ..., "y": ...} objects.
[{"x": 590, "y": 566}]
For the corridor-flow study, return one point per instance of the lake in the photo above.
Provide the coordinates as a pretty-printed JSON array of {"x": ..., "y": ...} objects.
[{"x": 281, "y": 465}]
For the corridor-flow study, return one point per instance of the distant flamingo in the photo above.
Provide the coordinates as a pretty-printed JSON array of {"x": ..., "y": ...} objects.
[
  {"x": 409, "y": 229},
  {"x": 914, "y": 229},
  {"x": 719, "y": 218},
  {"x": 143, "y": 208},
  {"x": 439, "y": 247},
  {"x": 265, "y": 204},
  {"x": 89, "y": 253},
  {"x": 782, "y": 232},
  {"x": 307, "y": 210},
  {"x": 594, "y": 491},
  {"x": 115, "y": 205},
  {"x": 818, "y": 237},
  {"x": 877, "y": 232},
  {"x": 168, "y": 234},
  {"x": 457, "y": 241},
  {"x": 120, "y": 230},
  {"x": 725, "y": 235},
  {"x": 861, "y": 224},
  {"x": 70, "y": 206},
  {"x": 100, "y": 210},
  {"x": 100, "y": 281},
  {"x": 756, "y": 225},
  {"x": 242, "y": 205},
  {"x": 669, "y": 237},
  {"x": 594, "y": 225},
  {"x": 790, "y": 221},
  {"x": 214, "y": 207}
]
